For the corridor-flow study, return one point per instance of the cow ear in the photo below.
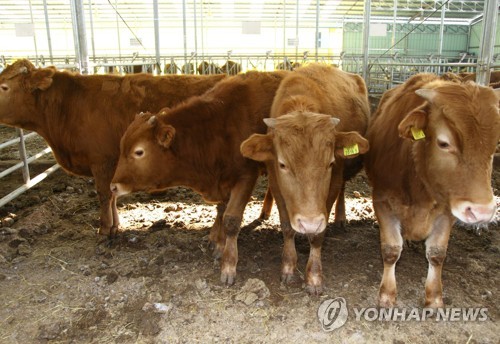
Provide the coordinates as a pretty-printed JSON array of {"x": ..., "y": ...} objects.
[
  {"x": 164, "y": 134},
  {"x": 497, "y": 91},
  {"x": 163, "y": 111},
  {"x": 428, "y": 94},
  {"x": 41, "y": 79},
  {"x": 270, "y": 122},
  {"x": 413, "y": 125},
  {"x": 350, "y": 144},
  {"x": 258, "y": 147}
]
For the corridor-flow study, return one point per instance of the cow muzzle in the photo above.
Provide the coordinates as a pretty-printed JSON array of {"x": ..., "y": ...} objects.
[
  {"x": 474, "y": 213},
  {"x": 118, "y": 189},
  {"x": 309, "y": 224}
]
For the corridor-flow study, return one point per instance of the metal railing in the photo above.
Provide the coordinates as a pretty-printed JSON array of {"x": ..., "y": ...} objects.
[
  {"x": 384, "y": 73},
  {"x": 24, "y": 166}
]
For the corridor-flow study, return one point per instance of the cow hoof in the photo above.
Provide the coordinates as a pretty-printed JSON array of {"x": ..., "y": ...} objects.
[
  {"x": 314, "y": 290},
  {"x": 436, "y": 303},
  {"x": 216, "y": 250},
  {"x": 263, "y": 216},
  {"x": 386, "y": 301},
  {"x": 113, "y": 231},
  {"x": 109, "y": 232},
  {"x": 104, "y": 231},
  {"x": 216, "y": 254},
  {"x": 287, "y": 278},
  {"x": 227, "y": 278},
  {"x": 339, "y": 224}
]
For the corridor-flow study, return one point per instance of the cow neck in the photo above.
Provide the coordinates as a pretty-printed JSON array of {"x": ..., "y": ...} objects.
[
  {"x": 418, "y": 174},
  {"x": 55, "y": 112},
  {"x": 197, "y": 146}
]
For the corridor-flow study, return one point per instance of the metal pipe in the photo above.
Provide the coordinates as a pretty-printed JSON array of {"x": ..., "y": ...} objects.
[
  {"x": 441, "y": 31},
  {"x": 195, "y": 34},
  {"x": 185, "y": 36},
  {"x": 284, "y": 28},
  {"x": 28, "y": 185},
  {"x": 202, "y": 33},
  {"x": 316, "y": 43},
  {"x": 80, "y": 36},
  {"x": 25, "y": 162},
  {"x": 487, "y": 42},
  {"x": 157, "y": 34},
  {"x": 47, "y": 27},
  {"x": 297, "y": 32},
  {"x": 366, "y": 36},
  {"x": 431, "y": 64},
  {"x": 91, "y": 19},
  {"x": 118, "y": 31},
  {"x": 394, "y": 25},
  {"x": 16, "y": 140},
  {"x": 22, "y": 155},
  {"x": 34, "y": 33}
]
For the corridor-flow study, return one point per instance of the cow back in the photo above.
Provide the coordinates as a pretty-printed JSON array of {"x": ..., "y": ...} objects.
[
  {"x": 325, "y": 89},
  {"x": 83, "y": 117}
]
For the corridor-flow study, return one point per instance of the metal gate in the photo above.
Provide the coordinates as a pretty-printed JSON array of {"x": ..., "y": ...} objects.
[{"x": 24, "y": 165}]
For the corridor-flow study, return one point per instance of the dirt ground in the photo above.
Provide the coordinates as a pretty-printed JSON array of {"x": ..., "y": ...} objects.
[{"x": 158, "y": 283}]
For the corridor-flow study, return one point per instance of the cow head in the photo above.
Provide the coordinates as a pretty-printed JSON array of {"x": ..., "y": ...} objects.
[
  {"x": 303, "y": 149},
  {"x": 18, "y": 83},
  {"x": 455, "y": 135},
  {"x": 145, "y": 155}
]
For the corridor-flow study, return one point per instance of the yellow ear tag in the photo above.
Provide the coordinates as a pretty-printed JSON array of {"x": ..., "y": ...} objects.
[
  {"x": 351, "y": 150},
  {"x": 418, "y": 134}
]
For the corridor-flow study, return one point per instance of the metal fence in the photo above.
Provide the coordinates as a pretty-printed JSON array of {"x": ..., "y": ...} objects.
[
  {"x": 23, "y": 165},
  {"x": 384, "y": 73}
]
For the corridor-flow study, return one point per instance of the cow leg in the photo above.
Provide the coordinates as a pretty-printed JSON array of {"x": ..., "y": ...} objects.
[
  {"x": 217, "y": 236},
  {"x": 267, "y": 206},
  {"x": 336, "y": 193},
  {"x": 289, "y": 257},
  {"x": 240, "y": 195},
  {"x": 391, "y": 243},
  {"x": 314, "y": 270},
  {"x": 340, "y": 218},
  {"x": 114, "y": 210},
  {"x": 436, "y": 245},
  {"x": 103, "y": 176}
]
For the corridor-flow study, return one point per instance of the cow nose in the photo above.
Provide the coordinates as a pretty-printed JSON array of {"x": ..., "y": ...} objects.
[
  {"x": 311, "y": 224},
  {"x": 473, "y": 213},
  {"x": 114, "y": 188}
]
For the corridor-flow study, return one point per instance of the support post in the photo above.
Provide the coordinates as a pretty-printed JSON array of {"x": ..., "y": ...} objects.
[
  {"x": 157, "y": 35},
  {"x": 47, "y": 27},
  {"x": 79, "y": 35},
  {"x": 487, "y": 41},
  {"x": 366, "y": 37}
]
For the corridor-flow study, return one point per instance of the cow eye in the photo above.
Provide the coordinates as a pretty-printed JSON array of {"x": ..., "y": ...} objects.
[
  {"x": 282, "y": 165},
  {"x": 139, "y": 153},
  {"x": 331, "y": 164},
  {"x": 443, "y": 144},
  {"x": 4, "y": 87}
]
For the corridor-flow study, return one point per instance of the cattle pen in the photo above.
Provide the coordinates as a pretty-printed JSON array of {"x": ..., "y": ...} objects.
[{"x": 159, "y": 279}]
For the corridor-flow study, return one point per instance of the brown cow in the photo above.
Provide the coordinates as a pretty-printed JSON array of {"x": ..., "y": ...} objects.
[
  {"x": 188, "y": 68},
  {"x": 466, "y": 76},
  {"x": 287, "y": 65},
  {"x": 317, "y": 112},
  {"x": 430, "y": 162},
  {"x": 231, "y": 68},
  {"x": 82, "y": 117},
  {"x": 170, "y": 68},
  {"x": 197, "y": 145},
  {"x": 209, "y": 68}
]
